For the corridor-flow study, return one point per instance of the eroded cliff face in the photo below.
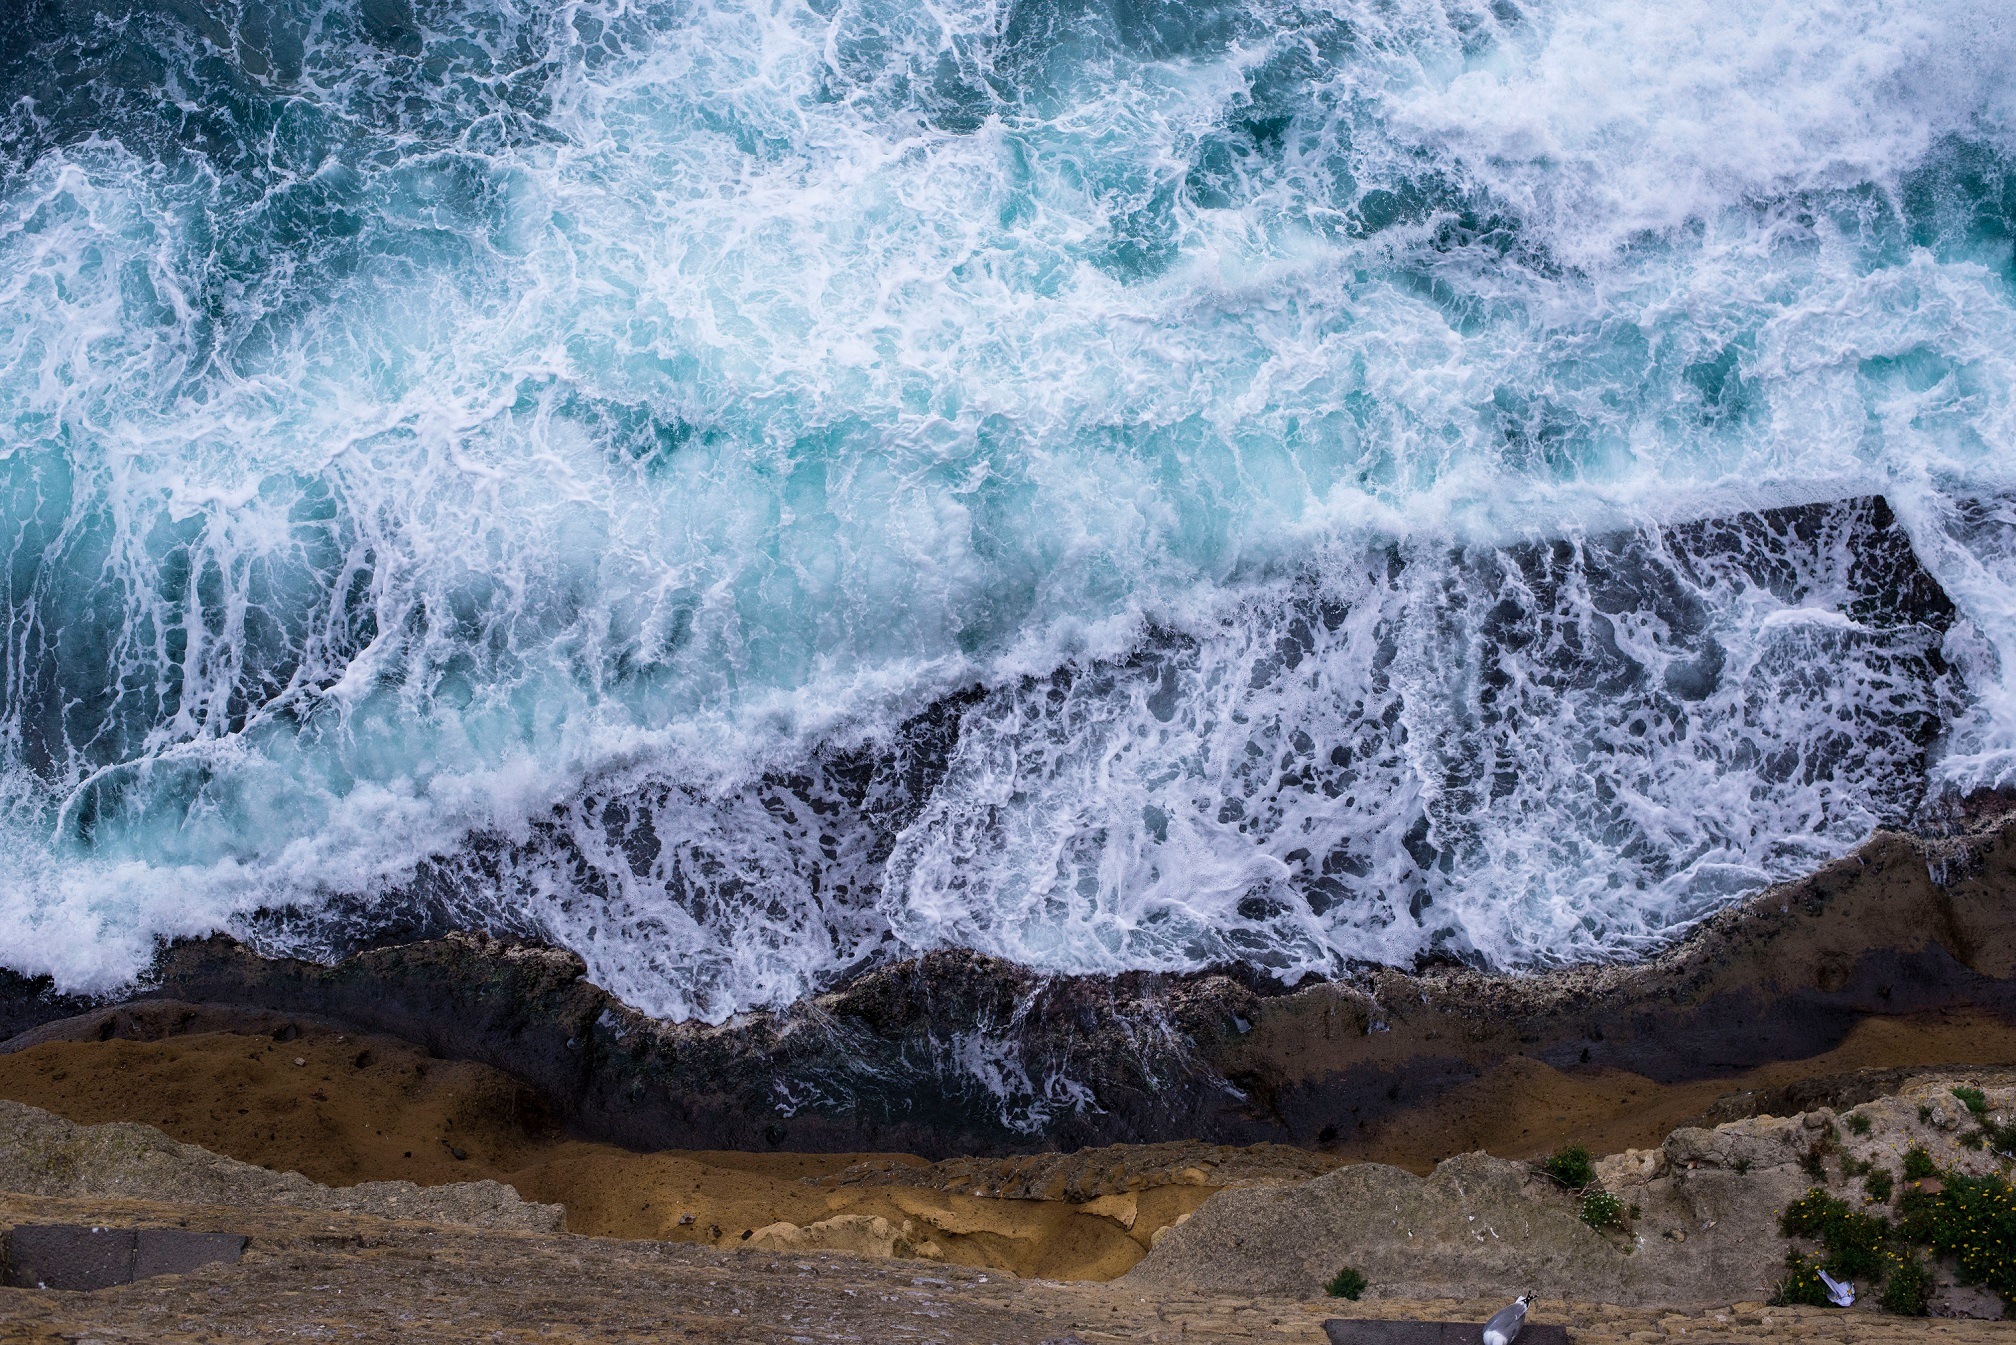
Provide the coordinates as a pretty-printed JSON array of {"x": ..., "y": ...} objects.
[{"x": 952, "y": 1053}]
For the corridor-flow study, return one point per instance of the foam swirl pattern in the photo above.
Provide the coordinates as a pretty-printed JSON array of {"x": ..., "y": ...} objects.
[{"x": 745, "y": 488}]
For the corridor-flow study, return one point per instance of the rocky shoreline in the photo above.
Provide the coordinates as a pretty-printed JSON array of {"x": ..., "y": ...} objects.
[
  {"x": 954, "y": 1054},
  {"x": 1694, "y": 1242}
]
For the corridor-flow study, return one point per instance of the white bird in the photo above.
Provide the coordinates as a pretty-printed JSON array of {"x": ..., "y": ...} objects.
[
  {"x": 1842, "y": 1294},
  {"x": 1504, "y": 1328}
]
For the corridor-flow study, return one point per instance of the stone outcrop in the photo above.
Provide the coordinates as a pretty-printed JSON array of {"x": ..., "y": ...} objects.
[
  {"x": 953, "y": 1053},
  {"x": 857, "y": 1234},
  {"x": 1703, "y": 1226},
  {"x": 1484, "y": 1227},
  {"x": 26, "y": 1002},
  {"x": 43, "y": 1154},
  {"x": 1475, "y": 1226}
]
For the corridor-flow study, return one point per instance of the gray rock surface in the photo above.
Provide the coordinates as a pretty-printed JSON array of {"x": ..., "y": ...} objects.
[
  {"x": 45, "y": 1155},
  {"x": 1704, "y": 1228},
  {"x": 1477, "y": 1227},
  {"x": 75, "y": 1256}
]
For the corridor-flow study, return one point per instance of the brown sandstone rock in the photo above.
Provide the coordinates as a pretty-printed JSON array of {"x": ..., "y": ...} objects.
[{"x": 860, "y": 1234}]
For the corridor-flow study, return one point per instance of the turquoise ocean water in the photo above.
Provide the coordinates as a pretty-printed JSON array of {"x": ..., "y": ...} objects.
[{"x": 747, "y": 488}]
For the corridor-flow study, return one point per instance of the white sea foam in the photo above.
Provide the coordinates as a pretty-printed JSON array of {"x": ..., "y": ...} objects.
[{"x": 533, "y": 466}]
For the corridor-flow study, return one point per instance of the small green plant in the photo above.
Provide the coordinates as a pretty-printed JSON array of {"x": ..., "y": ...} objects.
[
  {"x": 1924, "y": 1113},
  {"x": 1908, "y": 1291},
  {"x": 1571, "y": 1166},
  {"x": 1814, "y": 1164},
  {"x": 1858, "y": 1122},
  {"x": 1879, "y": 1184},
  {"x": 1600, "y": 1209},
  {"x": 1742, "y": 1165},
  {"x": 2000, "y": 1138},
  {"x": 1346, "y": 1283},
  {"x": 1801, "y": 1286},
  {"x": 1853, "y": 1167},
  {"x": 1918, "y": 1164}
]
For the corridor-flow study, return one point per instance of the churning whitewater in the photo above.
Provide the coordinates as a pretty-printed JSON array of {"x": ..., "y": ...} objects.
[{"x": 745, "y": 489}]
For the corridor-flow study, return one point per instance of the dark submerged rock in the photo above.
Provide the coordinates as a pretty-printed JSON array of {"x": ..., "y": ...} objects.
[{"x": 29, "y": 1001}]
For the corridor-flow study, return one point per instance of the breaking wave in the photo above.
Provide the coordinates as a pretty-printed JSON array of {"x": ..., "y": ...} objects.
[{"x": 747, "y": 490}]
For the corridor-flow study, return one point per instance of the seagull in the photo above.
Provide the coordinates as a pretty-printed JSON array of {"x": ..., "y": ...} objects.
[
  {"x": 1842, "y": 1294},
  {"x": 1505, "y": 1327}
]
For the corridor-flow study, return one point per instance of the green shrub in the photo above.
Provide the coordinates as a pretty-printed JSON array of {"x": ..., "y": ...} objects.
[
  {"x": 1600, "y": 1209},
  {"x": 1975, "y": 1224},
  {"x": 1908, "y": 1291},
  {"x": 1855, "y": 1247},
  {"x": 1742, "y": 1165},
  {"x": 1346, "y": 1283},
  {"x": 1976, "y": 1100},
  {"x": 1572, "y": 1167},
  {"x": 1853, "y": 1242},
  {"x": 1801, "y": 1286},
  {"x": 1918, "y": 1216},
  {"x": 1918, "y": 1164},
  {"x": 1879, "y": 1184},
  {"x": 1970, "y": 1221},
  {"x": 1815, "y": 1165},
  {"x": 1858, "y": 1122},
  {"x": 1810, "y": 1215}
]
